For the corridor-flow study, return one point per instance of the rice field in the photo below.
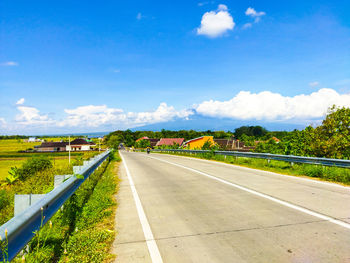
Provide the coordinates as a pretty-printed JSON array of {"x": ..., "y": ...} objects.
[{"x": 9, "y": 156}]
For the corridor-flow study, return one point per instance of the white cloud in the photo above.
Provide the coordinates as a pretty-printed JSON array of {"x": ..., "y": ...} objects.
[
  {"x": 31, "y": 116},
  {"x": 222, "y": 7},
  {"x": 91, "y": 116},
  {"x": 116, "y": 70},
  {"x": 314, "y": 84},
  {"x": 139, "y": 16},
  {"x": 3, "y": 123},
  {"x": 271, "y": 106},
  {"x": 247, "y": 25},
  {"x": 251, "y": 12},
  {"x": 20, "y": 101},
  {"x": 9, "y": 64},
  {"x": 257, "y": 15},
  {"x": 216, "y": 23},
  {"x": 95, "y": 116}
]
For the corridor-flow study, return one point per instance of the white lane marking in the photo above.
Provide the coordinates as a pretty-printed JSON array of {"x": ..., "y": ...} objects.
[
  {"x": 265, "y": 172},
  {"x": 151, "y": 243},
  {"x": 296, "y": 207}
]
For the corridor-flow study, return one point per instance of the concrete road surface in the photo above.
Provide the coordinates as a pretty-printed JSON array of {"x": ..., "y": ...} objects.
[{"x": 178, "y": 209}]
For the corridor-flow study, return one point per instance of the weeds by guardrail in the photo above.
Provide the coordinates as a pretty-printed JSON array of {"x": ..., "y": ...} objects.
[
  {"x": 278, "y": 157},
  {"x": 18, "y": 231}
]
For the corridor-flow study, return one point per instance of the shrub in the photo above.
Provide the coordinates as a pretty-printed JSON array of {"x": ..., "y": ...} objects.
[{"x": 34, "y": 165}]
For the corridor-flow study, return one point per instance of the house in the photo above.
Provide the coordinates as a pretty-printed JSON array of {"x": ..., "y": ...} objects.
[
  {"x": 170, "y": 141},
  {"x": 34, "y": 139},
  {"x": 153, "y": 142},
  {"x": 80, "y": 145},
  {"x": 225, "y": 144},
  {"x": 197, "y": 143},
  {"x": 51, "y": 147}
]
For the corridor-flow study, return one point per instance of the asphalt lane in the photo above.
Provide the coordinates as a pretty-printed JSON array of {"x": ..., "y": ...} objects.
[{"x": 194, "y": 218}]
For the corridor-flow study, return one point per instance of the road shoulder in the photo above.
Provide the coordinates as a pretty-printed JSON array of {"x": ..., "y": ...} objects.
[{"x": 130, "y": 244}]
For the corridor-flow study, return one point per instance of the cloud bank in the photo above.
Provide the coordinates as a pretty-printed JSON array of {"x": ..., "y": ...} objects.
[
  {"x": 271, "y": 106},
  {"x": 216, "y": 23},
  {"x": 95, "y": 116},
  {"x": 31, "y": 116},
  {"x": 263, "y": 106}
]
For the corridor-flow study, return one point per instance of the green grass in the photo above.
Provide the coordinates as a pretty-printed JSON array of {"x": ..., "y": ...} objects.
[
  {"x": 326, "y": 173},
  {"x": 83, "y": 231},
  {"x": 5, "y": 166}
]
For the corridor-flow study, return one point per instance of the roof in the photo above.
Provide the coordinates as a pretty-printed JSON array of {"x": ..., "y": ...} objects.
[
  {"x": 80, "y": 142},
  {"x": 170, "y": 141},
  {"x": 275, "y": 139},
  {"x": 142, "y": 138},
  {"x": 196, "y": 139},
  {"x": 53, "y": 144}
]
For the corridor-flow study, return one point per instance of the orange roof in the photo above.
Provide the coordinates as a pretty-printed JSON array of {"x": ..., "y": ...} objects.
[{"x": 142, "y": 138}]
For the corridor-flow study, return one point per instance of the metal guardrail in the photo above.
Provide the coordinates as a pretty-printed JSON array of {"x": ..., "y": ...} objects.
[
  {"x": 279, "y": 157},
  {"x": 20, "y": 229}
]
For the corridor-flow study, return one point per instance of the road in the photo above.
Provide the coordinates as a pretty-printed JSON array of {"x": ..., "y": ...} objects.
[{"x": 179, "y": 209}]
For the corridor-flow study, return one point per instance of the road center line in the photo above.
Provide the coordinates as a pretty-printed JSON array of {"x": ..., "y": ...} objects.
[
  {"x": 276, "y": 200},
  {"x": 151, "y": 243}
]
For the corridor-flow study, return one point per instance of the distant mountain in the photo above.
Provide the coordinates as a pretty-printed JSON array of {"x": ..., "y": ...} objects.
[{"x": 198, "y": 122}]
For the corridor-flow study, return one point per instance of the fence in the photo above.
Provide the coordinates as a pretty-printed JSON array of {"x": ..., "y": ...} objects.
[
  {"x": 20, "y": 229},
  {"x": 269, "y": 156}
]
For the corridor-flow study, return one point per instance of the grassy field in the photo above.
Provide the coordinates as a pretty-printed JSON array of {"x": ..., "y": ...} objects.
[
  {"x": 16, "y": 145},
  {"x": 10, "y": 157},
  {"x": 5, "y": 166}
]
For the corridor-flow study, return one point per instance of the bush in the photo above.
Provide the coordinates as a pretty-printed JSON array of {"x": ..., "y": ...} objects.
[{"x": 34, "y": 165}]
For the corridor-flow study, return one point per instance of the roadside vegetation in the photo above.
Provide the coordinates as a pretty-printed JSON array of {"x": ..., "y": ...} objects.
[
  {"x": 83, "y": 231},
  {"x": 25, "y": 173},
  {"x": 333, "y": 174}
]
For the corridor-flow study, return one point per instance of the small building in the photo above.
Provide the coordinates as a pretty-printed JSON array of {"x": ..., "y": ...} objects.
[
  {"x": 170, "y": 141},
  {"x": 80, "y": 145},
  {"x": 225, "y": 144},
  {"x": 33, "y": 139},
  {"x": 153, "y": 142},
  {"x": 51, "y": 147},
  {"x": 197, "y": 143}
]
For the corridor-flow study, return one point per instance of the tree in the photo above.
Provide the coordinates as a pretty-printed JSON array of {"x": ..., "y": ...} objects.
[
  {"x": 143, "y": 144},
  {"x": 114, "y": 141},
  {"x": 332, "y": 138}
]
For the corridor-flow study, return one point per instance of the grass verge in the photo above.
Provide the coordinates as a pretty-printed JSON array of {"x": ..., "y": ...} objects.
[
  {"x": 326, "y": 173},
  {"x": 83, "y": 231}
]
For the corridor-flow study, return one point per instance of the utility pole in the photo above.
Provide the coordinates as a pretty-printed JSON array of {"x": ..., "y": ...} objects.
[
  {"x": 99, "y": 144},
  {"x": 69, "y": 150}
]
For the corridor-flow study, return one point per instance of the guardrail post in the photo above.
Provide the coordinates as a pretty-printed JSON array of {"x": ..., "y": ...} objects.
[{"x": 22, "y": 202}]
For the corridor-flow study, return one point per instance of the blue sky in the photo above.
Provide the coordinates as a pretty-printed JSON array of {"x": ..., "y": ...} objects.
[{"x": 100, "y": 66}]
